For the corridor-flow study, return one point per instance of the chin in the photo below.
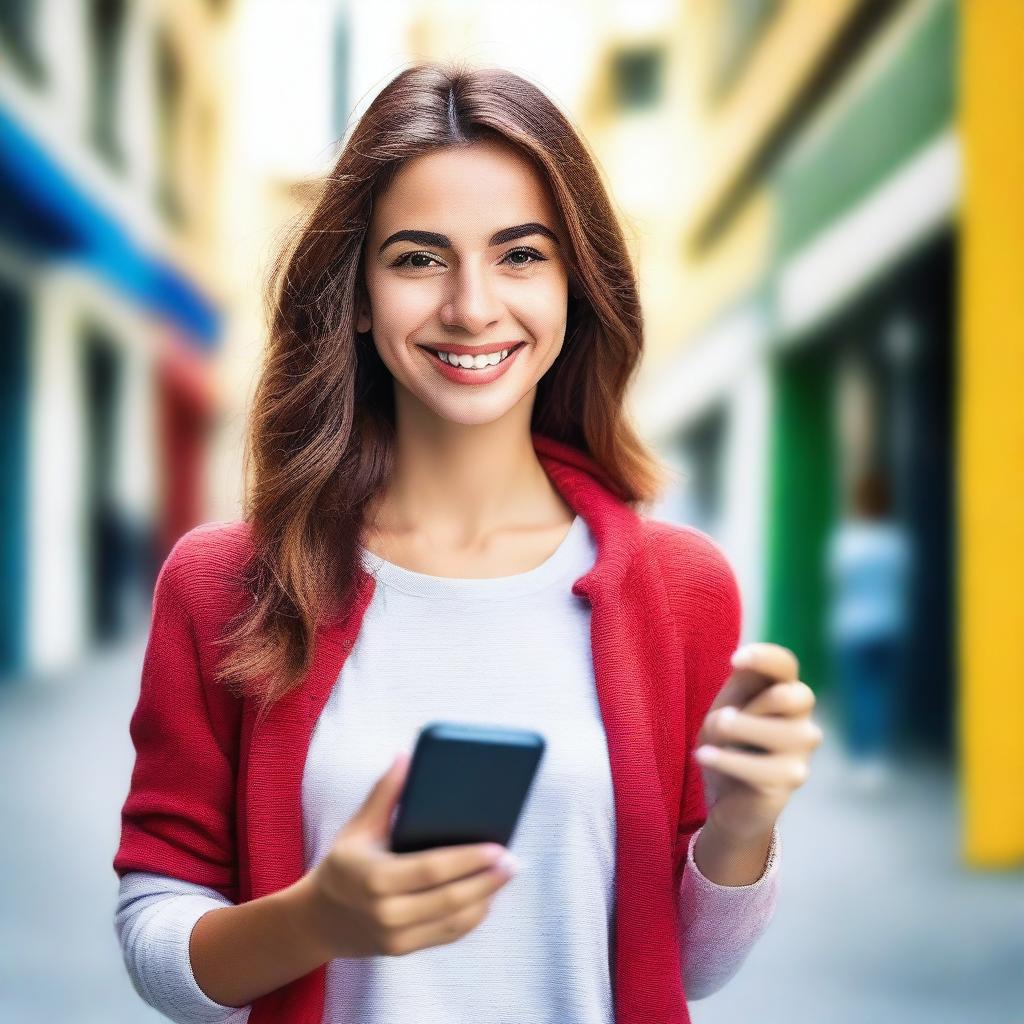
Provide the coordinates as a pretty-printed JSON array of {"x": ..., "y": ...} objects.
[{"x": 471, "y": 412}]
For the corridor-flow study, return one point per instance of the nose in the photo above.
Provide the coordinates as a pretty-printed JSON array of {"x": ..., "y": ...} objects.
[{"x": 473, "y": 303}]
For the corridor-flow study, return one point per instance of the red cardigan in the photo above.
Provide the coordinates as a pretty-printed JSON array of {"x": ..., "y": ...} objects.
[{"x": 214, "y": 802}]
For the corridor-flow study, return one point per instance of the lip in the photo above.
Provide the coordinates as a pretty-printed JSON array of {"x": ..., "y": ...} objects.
[{"x": 460, "y": 375}]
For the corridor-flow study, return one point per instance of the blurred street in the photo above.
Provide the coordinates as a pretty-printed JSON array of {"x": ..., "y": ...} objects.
[
  {"x": 829, "y": 248},
  {"x": 870, "y": 924}
]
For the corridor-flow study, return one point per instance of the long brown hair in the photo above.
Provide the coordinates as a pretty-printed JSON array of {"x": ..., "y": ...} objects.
[{"x": 319, "y": 444}]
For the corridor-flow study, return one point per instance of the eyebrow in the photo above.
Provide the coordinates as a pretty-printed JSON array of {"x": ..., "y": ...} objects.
[{"x": 440, "y": 241}]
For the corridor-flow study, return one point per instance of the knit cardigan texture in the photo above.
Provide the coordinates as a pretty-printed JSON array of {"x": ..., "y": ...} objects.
[{"x": 214, "y": 798}]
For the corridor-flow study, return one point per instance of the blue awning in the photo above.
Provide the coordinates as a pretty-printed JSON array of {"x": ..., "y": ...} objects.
[{"x": 44, "y": 210}]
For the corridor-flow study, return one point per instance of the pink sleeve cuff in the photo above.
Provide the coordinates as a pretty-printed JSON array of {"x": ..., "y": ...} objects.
[
  {"x": 720, "y": 924},
  {"x": 767, "y": 876}
]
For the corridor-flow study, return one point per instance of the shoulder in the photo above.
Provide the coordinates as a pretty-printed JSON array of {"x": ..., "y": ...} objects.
[
  {"x": 700, "y": 584},
  {"x": 692, "y": 562},
  {"x": 704, "y": 603},
  {"x": 218, "y": 544},
  {"x": 205, "y": 564}
]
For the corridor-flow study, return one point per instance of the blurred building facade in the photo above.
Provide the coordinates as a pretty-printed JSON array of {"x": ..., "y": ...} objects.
[
  {"x": 814, "y": 308},
  {"x": 109, "y": 121},
  {"x": 811, "y": 327},
  {"x": 788, "y": 174},
  {"x": 818, "y": 248}
]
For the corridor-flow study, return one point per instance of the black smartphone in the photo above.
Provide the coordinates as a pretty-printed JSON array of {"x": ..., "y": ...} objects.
[{"x": 466, "y": 784}]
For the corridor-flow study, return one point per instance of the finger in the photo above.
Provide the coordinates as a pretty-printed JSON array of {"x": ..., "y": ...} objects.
[
  {"x": 757, "y": 769},
  {"x": 743, "y": 686},
  {"x": 771, "y": 660},
  {"x": 773, "y": 734},
  {"x": 441, "y": 931},
  {"x": 753, "y": 666},
  {"x": 405, "y": 909},
  {"x": 425, "y": 869},
  {"x": 792, "y": 698}
]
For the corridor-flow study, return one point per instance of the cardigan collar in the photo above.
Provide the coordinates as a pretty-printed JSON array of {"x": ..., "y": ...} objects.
[{"x": 626, "y": 670}]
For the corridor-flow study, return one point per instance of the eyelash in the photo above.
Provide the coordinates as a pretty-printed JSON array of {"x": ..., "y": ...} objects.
[{"x": 537, "y": 258}]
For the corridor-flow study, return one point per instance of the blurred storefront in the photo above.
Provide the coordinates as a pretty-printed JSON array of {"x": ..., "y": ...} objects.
[
  {"x": 825, "y": 212},
  {"x": 862, "y": 272},
  {"x": 108, "y": 326},
  {"x": 842, "y": 295}
]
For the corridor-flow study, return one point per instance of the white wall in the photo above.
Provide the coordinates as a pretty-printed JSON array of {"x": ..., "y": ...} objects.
[{"x": 63, "y": 296}]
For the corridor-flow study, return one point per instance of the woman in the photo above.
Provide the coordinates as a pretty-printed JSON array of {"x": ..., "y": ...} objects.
[
  {"x": 869, "y": 564},
  {"x": 424, "y": 541}
]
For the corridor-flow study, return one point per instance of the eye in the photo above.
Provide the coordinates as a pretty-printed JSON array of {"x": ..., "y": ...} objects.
[
  {"x": 535, "y": 257},
  {"x": 403, "y": 260}
]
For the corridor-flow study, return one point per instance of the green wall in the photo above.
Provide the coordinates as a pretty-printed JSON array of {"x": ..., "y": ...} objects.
[{"x": 801, "y": 509}]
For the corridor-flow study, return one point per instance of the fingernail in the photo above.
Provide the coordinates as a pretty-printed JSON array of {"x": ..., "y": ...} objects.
[
  {"x": 727, "y": 714},
  {"x": 742, "y": 659},
  {"x": 509, "y": 862},
  {"x": 705, "y": 753}
]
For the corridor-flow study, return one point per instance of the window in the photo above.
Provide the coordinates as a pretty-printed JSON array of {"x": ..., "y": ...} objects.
[
  {"x": 340, "y": 72},
  {"x": 740, "y": 24},
  {"x": 17, "y": 38},
  {"x": 106, "y": 31},
  {"x": 700, "y": 453},
  {"x": 637, "y": 77},
  {"x": 169, "y": 95}
]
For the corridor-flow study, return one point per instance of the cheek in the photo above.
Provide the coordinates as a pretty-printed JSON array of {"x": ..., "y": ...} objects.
[
  {"x": 400, "y": 310},
  {"x": 545, "y": 312}
]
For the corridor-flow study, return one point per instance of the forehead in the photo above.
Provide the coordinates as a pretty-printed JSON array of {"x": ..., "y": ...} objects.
[{"x": 465, "y": 192}]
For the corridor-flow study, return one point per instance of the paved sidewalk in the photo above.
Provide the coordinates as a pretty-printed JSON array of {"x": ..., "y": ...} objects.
[
  {"x": 66, "y": 758},
  {"x": 877, "y": 919}
]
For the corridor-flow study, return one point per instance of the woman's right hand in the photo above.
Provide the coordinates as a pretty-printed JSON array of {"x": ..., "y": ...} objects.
[{"x": 363, "y": 900}]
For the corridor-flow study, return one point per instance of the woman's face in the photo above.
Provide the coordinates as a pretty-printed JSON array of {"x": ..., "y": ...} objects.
[{"x": 458, "y": 284}]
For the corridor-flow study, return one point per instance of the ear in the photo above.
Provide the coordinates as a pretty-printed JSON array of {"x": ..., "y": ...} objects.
[{"x": 363, "y": 318}]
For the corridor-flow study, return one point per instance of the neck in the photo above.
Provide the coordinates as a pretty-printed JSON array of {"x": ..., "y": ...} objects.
[{"x": 458, "y": 485}]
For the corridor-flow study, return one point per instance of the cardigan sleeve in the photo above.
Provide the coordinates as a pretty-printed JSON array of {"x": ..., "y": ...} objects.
[
  {"x": 719, "y": 924},
  {"x": 179, "y": 815},
  {"x": 716, "y": 616},
  {"x": 705, "y": 596}
]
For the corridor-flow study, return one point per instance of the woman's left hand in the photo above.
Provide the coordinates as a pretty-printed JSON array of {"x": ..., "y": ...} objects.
[{"x": 765, "y": 710}]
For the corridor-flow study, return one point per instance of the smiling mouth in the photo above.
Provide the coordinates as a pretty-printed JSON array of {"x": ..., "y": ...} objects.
[{"x": 444, "y": 359}]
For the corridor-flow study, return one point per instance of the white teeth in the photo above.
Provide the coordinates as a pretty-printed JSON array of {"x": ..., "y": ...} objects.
[{"x": 474, "y": 362}]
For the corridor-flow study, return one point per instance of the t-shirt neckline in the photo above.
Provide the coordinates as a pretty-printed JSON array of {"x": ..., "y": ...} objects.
[{"x": 425, "y": 585}]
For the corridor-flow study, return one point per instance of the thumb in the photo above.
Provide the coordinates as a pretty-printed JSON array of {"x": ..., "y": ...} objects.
[{"x": 374, "y": 816}]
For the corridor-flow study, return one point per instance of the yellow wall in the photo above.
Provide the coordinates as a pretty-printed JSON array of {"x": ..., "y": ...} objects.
[{"x": 991, "y": 444}]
